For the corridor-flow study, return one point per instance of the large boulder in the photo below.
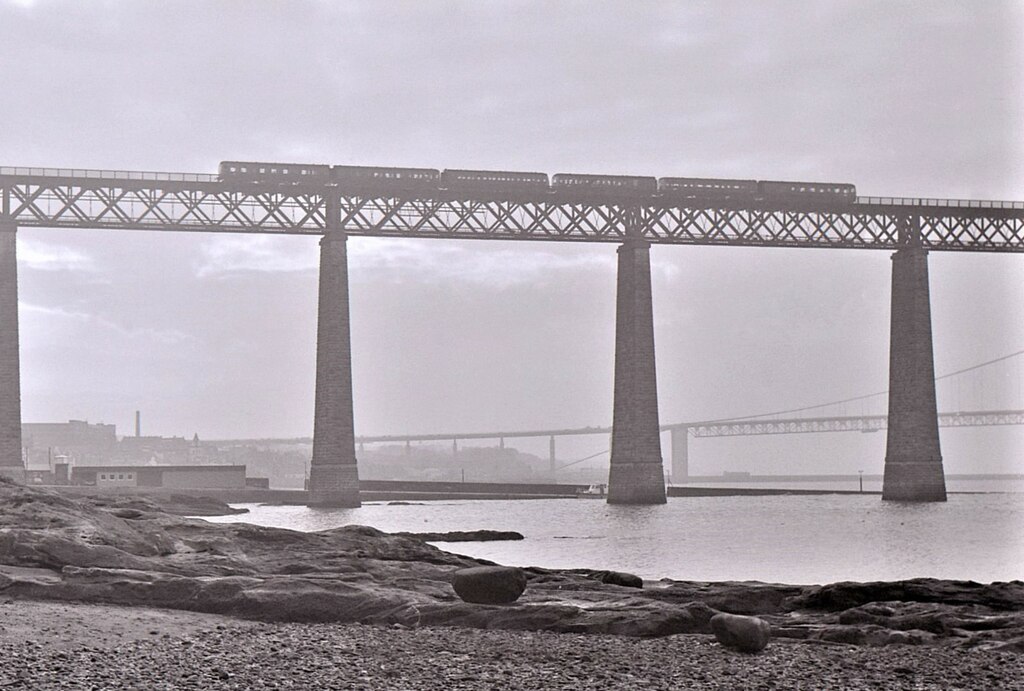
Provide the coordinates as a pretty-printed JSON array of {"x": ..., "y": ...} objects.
[
  {"x": 489, "y": 585},
  {"x": 739, "y": 632}
]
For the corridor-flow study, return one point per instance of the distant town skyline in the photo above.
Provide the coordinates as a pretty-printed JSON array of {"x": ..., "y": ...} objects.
[{"x": 216, "y": 335}]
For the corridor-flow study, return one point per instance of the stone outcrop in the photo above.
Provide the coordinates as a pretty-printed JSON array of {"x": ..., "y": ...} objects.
[
  {"x": 840, "y": 596},
  {"x": 740, "y": 632},
  {"x": 127, "y": 505},
  {"x": 129, "y": 551},
  {"x": 489, "y": 585}
]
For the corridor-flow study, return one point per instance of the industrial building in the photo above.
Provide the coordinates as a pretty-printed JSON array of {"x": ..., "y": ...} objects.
[
  {"x": 91, "y": 455},
  {"x": 76, "y": 439},
  {"x": 161, "y": 476}
]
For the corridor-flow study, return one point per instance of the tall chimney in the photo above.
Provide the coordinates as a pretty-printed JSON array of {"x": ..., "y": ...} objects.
[{"x": 138, "y": 424}]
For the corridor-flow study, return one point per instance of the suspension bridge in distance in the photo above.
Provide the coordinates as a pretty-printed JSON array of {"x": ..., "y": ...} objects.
[{"x": 680, "y": 433}]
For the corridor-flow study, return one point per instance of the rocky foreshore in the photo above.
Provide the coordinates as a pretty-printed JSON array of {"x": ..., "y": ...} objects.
[{"x": 103, "y": 550}]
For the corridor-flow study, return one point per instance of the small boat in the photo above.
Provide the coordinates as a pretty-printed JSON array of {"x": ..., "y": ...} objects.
[{"x": 596, "y": 491}]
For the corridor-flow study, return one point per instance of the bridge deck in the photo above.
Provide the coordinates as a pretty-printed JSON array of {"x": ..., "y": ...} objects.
[{"x": 712, "y": 428}]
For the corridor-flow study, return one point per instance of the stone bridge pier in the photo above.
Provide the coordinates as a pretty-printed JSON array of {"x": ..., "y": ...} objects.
[
  {"x": 913, "y": 460},
  {"x": 636, "y": 474},
  {"x": 333, "y": 475},
  {"x": 680, "y": 440},
  {"x": 10, "y": 369}
]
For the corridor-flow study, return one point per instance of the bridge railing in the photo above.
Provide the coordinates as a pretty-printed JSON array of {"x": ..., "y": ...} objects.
[
  {"x": 954, "y": 203},
  {"x": 106, "y": 174}
]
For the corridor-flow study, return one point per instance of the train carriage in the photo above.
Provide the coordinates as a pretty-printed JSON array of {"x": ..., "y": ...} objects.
[
  {"x": 277, "y": 173},
  {"x": 375, "y": 179},
  {"x": 707, "y": 188},
  {"x": 806, "y": 191},
  {"x": 604, "y": 186},
  {"x": 493, "y": 181}
]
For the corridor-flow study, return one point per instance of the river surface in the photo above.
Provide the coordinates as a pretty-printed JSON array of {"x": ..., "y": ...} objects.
[{"x": 783, "y": 539}]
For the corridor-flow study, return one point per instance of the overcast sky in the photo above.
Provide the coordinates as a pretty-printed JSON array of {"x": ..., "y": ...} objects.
[{"x": 216, "y": 335}]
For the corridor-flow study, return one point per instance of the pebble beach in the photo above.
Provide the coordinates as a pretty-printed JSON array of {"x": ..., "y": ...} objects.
[{"x": 52, "y": 645}]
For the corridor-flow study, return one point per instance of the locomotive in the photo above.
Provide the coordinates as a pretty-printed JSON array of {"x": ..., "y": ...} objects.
[{"x": 562, "y": 186}]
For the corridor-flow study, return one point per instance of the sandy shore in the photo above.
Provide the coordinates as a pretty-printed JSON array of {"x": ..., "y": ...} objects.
[{"x": 49, "y": 645}]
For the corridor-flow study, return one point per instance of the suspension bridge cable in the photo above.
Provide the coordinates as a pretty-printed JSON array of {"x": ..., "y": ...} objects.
[
  {"x": 865, "y": 396},
  {"x": 979, "y": 366},
  {"x": 580, "y": 460}
]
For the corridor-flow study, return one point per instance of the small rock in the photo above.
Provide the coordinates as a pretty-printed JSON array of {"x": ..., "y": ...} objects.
[
  {"x": 618, "y": 578},
  {"x": 489, "y": 585},
  {"x": 743, "y": 633},
  {"x": 127, "y": 513}
]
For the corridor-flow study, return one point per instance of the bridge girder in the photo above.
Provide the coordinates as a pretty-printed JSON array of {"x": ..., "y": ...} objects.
[
  {"x": 729, "y": 428},
  {"x": 200, "y": 203},
  {"x": 865, "y": 423}
]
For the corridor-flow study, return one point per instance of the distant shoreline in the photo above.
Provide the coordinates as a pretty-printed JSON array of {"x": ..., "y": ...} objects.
[{"x": 412, "y": 490}]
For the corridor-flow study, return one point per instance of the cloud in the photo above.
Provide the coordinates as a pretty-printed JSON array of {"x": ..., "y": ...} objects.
[
  {"x": 45, "y": 256},
  {"x": 223, "y": 255},
  {"x": 500, "y": 266},
  {"x": 873, "y": 92},
  {"x": 56, "y": 322},
  {"x": 403, "y": 260}
]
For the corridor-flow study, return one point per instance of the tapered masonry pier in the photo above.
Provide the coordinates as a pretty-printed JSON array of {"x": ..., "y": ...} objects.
[
  {"x": 333, "y": 475},
  {"x": 636, "y": 475},
  {"x": 10, "y": 375},
  {"x": 913, "y": 460}
]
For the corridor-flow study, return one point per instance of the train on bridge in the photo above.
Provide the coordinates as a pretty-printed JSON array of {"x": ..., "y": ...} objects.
[{"x": 371, "y": 180}]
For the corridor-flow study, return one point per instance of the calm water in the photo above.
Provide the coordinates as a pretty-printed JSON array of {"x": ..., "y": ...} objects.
[
  {"x": 874, "y": 484},
  {"x": 788, "y": 539}
]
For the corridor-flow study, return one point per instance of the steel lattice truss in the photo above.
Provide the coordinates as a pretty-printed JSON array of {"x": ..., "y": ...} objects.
[
  {"x": 868, "y": 423},
  {"x": 199, "y": 206},
  {"x": 190, "y": 202}
]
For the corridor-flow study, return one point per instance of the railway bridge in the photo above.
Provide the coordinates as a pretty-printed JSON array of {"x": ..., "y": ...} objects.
[{"x": 195, "y": 202}]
